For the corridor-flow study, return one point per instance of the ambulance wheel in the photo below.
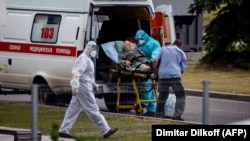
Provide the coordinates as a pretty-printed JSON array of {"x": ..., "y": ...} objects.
[
  {"x": 45, "y": 95},
  {"x": 110, "y": 102}
]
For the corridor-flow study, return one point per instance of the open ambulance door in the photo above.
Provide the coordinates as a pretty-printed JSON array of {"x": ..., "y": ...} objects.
[{"x": 158, "y": 27}]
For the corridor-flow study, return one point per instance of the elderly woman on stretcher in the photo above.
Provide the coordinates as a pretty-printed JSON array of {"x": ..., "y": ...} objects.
[{"x": 133, "y": 57}]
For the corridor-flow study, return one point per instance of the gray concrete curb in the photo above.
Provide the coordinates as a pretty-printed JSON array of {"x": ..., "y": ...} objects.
[{"x": 219, "y": 95}]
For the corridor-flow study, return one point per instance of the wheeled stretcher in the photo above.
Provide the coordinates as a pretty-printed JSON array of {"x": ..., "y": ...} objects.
[{"x": 136, "y": 80}]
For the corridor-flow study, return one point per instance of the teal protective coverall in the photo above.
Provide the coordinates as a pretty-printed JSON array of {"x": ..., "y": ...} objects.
[{"x": 150, "y": 48}]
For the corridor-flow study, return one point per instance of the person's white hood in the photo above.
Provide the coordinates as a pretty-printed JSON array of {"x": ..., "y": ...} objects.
[{"x": 91, "y": 46}]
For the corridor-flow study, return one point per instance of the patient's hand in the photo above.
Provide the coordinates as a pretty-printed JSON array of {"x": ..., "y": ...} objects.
[
  {"x": 144, "y": 67},
  {"x": 127, "y": 63},
  {"x": 153, "y": 76}
]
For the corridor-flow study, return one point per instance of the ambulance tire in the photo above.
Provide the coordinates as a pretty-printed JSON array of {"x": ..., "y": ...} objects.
[
  {"x": 45, "y": 95},
  {"x": 110, "y": 102}
]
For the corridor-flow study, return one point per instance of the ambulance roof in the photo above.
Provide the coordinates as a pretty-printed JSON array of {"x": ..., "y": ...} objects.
[{"x": 69, "y": 5}]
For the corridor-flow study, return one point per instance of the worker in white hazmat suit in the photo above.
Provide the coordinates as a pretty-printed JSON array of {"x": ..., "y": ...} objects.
[{"x": 82, "y": 84}]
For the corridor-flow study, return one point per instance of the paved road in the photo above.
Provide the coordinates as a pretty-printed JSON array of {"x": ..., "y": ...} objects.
[{"x": 222, "y": 111}]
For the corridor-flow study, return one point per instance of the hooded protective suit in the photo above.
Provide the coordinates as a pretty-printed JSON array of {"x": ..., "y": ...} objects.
[
  {"x": 150, "y": 48},
  {"x": 83, "y": 98}
]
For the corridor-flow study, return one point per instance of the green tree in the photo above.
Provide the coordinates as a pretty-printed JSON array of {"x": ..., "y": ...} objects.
[{"x": 227, "y": 36}]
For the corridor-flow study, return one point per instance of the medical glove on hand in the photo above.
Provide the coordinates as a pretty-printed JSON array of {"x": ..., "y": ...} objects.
[
  {"x": 75, "y": 91},
  {"x": 95, "y": 85}
]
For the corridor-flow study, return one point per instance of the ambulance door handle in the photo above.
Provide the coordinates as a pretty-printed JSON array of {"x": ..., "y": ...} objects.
[
  {"x": 77, "y": 31},
  {"x": 9, "y": 61}
]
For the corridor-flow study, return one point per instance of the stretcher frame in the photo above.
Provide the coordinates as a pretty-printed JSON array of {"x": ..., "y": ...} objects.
[{"x": 137, "y": 106}]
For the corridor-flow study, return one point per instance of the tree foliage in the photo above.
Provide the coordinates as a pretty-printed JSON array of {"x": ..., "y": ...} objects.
[{"x": 227, "y": 36}]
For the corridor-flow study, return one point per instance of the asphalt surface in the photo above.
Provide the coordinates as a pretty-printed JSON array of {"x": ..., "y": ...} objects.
[{"x": 219, "y": 95}]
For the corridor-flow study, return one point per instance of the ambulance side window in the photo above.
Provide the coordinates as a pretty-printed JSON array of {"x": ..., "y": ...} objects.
[{"x": 45, "y": 28}]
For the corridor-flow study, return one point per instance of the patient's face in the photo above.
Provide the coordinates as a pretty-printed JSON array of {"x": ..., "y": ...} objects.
[{"x": 128, "y": 45}]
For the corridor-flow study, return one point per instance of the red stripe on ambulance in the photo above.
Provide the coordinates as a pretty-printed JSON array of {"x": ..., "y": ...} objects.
[{"x": 38, "y": 49}]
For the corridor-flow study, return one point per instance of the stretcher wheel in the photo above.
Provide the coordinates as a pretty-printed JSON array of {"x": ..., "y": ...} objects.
[
  {"x": 138, "y": 111},
  {"x": 110, "y": 101}
]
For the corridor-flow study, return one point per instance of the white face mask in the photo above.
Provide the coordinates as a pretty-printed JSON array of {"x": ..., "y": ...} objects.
[
  {"x": 141, "y": 42},
  {"x": 93, "y": 53}
]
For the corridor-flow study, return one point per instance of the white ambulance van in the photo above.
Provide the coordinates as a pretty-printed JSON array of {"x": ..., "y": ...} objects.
[{"x": 41, "y": 39}]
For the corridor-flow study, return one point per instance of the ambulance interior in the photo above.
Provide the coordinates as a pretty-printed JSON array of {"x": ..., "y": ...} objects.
[{"x": 117, "y": 24}]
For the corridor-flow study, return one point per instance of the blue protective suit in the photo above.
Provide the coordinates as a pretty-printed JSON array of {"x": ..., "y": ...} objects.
[{"x": 150, "y": 47}]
